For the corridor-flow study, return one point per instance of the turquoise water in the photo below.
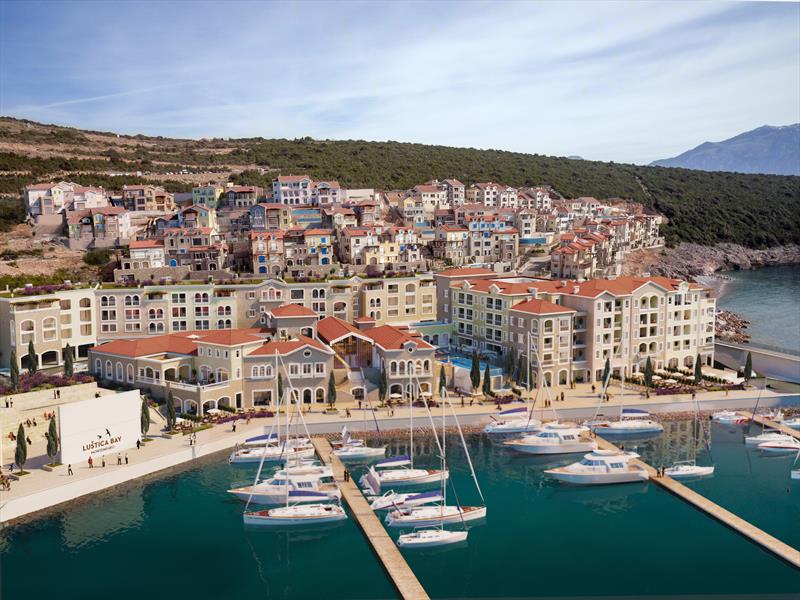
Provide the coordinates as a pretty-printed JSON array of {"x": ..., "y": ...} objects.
[
  {"x": 541, "y": 539},
  {"x": 768, "y": 298}
]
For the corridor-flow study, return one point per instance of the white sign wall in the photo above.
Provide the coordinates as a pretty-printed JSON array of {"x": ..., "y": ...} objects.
[{"x": 99, "y": 426}]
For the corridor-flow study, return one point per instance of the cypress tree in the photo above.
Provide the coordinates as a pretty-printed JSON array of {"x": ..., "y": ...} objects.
[
  {"x": 14, "y": 371},
  {"x": 145, "y": 418},
  {"x": 522, "y": 371},
  {"x": 69, "y": 367},
  {"x": 606, "y": 370},
  {"x": 475, "y": 372},
  {"x": 487, "y": 381},
  {"x": 648, "y": 373},
  {"x": 748, "y": 367},
  {"x": 698, "y": 370},
  {"x": 21, "y": 453},
  {"x": 383, "y": 385},
  {"x": 280, "y": 388},
  {"x": 32, "y": 363},
  {"x": 331, "y": 390},
  {"x": 511, "y": 362},
  {"x": 442, "y": 381},
  {"x": 171, "y": 417},
  {"x": 52, "y": 441}
]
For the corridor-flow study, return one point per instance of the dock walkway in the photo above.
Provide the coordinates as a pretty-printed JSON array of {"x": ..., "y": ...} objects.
[
  {"x": 748, "y": 530},
  {"x": 393, "y": 562},
  {"x": 773, "y": 424}
]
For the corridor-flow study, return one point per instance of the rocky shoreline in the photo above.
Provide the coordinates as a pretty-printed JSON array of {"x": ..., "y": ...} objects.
[
  {"x": 730, "y": 327},
  {"x": 690, "y": 261}
]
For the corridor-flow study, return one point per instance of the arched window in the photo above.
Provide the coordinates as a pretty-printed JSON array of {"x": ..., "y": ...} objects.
[
  {"x": 130, "y": 373},
  {"x": 119, "y": 372},
  {"x": 201, "y": 298},
  {"x": 98, "y": 367},
  {"x": 109, "y": 371},
  {"x": 132, "y": 300},
  {"x": 426, "y": 366},
  {"x": 49, "y": 326},
  {"x": 268, "y": 371},
  {"x": 254, "y": 371},
  {"x": 108, "y": 300},
  {"x": 320, "y": 396},
  {"x": 27, "y": 331}
]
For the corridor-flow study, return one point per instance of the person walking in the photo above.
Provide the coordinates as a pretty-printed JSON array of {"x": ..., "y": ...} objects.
[
  {"x": 58, "y": 394},
  {"x": 104, "y": 462},
  {"x": 138, "y": 444},
  {"x": 91, "y": 463},
  {"x": 126, "y": 458},
  {"x": 119, "y": 458},
  {"x": 234, "y": 427},
  {"x": 69, "y": 470},
  {"x": 562, "y": 396}
]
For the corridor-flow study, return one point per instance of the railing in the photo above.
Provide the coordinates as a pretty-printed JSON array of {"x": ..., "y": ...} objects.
[{"x": 760, "y": 346}]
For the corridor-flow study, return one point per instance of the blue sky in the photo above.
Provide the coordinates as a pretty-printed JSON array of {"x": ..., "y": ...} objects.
[{"x": 629, "y": 82}]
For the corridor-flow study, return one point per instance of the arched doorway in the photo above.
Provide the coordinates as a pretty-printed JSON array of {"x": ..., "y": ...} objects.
[
  {"x": 306, "y": 396},
  {"x": 50, "y": 358}
]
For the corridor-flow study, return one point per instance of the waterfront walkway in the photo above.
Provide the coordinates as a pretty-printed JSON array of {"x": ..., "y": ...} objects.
[
  {"x": 393, "y": 562},
  {"x": 748, "y": 530}
]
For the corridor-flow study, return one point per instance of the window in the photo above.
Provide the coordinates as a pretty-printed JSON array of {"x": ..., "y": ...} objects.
[
  {"x": 49, "y": 328},
  {"x": 319, "y": 368},
  {"x": 294, "y": 369}
]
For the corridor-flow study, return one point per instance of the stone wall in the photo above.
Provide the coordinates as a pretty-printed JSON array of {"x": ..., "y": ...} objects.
[{"x": 177, "y": 274}]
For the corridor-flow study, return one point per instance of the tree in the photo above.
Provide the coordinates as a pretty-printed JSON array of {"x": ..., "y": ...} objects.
[
  {"x": 521, "y": 372},
  {"x": 648, "y": 373},
  {"x": 14, "y": 371},
  {"x": 511, "y": 362},
  {"x": 280, "y": 388},
  {"x": 32, "y": 362},
  {"x": 171, "y": 417},
  {"x": 21, "y": 453},
  {"x": 383, "y": 385},
  {"x": 698, "y": 370},
  {"x": 748, "y": 367},
  {"x": 145, "y": 418},
  {"x": 487, "y": 382},
  {"x": 442, "y": 381},
  {"x": 69, "y": 367},
  {"x": 52, "y": 441},
  {"x": 331, "y": 390},
  {"x": 475, "y": 372},
  {"x": 606, "y": 370}
]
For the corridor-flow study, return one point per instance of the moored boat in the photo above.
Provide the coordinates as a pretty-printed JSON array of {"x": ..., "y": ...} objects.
[
  {"x": 392, "y": 499},
  {"x": 512, "y": 421},
  {"x": 767, "y": 436},
  {"x": 729, "y": 417},
  {"x": 552, "y": 440},
  {"x": 303, "y": 484},
  {"x": 431, "y": 538},
  {"x": 688, "y": 469},
  {"x": 601, "y": 467},
  {"x": 434, "y": 515},
  {"x": 299, "y": 514},
  {"x": 788, "y": 445}
]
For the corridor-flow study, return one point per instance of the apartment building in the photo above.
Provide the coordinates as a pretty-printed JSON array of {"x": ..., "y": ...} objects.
[
  {"x": 98, "y": 227},
  {"x": 207, "y": 195},
  {"x": 455, "y": 191},
  {"x": 625, "y": 320},
  {"x": 443, "y": 281},
  {"x": 243, "y": 196},
  {"x": 534, "y": 199},
  {"x": 339, "y": 217},
  {"x": 270, "y": 217},
  {"x": 44, "y": 199},
  {"x": 198, "y": 217},
  {"x": 145, "y": 254},
  {"x": 451, "y": 244},
  {"x": 267, "y": 253},
  {"x": 201, "y": 249},
  {"x": 51, "y": 319},
  {"x": 149, "y": 198},
  {"x": 585, "y": 255},
  {"x": 398, "y": 299},
  {"x": 492, "y": 195}
]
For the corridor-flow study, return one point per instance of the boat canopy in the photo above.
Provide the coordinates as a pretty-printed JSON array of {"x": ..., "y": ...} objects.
[
  {"x": 424, "y": 496},
  {"x": 307, "y": 494},
  {"x": 514, "y": 411},
  {"x": 394, "y": 461},
  {"x": 634, "y": 412},
  {"x": 262, "y": 438}
]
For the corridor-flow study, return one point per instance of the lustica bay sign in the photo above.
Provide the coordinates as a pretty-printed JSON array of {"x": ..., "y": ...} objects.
[{"x": 99, "y": 426}]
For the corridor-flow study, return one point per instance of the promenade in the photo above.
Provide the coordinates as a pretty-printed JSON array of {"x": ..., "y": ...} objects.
[{"x": 41, "y": 489}]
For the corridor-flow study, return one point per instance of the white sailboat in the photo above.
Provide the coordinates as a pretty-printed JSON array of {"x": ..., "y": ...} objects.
[
  {"x": 392, "y": 499},
  {"x": 770, "y": 435},
  {"x": 729, "y": 417},
  {"x": 689, "y": 469},
  {"x": 786, "y": 445},
  {"x": 351, "y": 449},
  {"x": 308, "y": 484},
  {"x": 795, "y": 473},
  {"x": 297, "y": 510},
  {"x": 601, "y": 467},
  {"x": 794, "y": 422}
]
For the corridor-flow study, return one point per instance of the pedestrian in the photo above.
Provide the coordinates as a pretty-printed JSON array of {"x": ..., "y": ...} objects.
[
  {"x": 347, "y": 412},
  {"x": 91, "y": 463},
  {"x": 248, "y": 419},
  {"x": 58, "y": 394},
  {"x": 693, "y": 396},
  {"x": 471, "y": 400},
  {"x": 462, "y": 400},
  {"x": 359, "y": 405},
  {"x": 69, "y": 470},
  {"x": 6, "y": 403},
  {"x": 593, "y": 388},
  {"x": 562, "y": 396},
  {"x": 34, "y": 422},
  {"x": 104, "y": 462},
  {"x": 54, "y": 394},
  {"x": 126, "y": 458},
  {"x": 234, "y": 427},
  {"x": 138, "y": 444},
  {"x": 119, "y": 458},
  {"x": 28, "y": 439}
]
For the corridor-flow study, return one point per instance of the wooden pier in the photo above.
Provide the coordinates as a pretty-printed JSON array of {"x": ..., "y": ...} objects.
[
  {"x": 748, "y": 530},
  {"x": 393, "y": 562},
  {"x": 772, "y": 424}
]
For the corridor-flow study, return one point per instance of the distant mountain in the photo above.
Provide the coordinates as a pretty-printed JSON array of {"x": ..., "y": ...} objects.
[{"x": 769, "y": 150}]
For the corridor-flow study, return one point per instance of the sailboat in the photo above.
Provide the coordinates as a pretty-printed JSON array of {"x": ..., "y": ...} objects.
[
  {"x": 296, "y": 511},
  {"x": 427, "y": 534},
  {"x": 305, "y": 484},
  {"x": 515, "y": 420},
  {"x": 689, "y": 469},
  {"x": 795, "y": 473},
  {"x": 398, "y": 471},
  {"x": 357, "y": 450},
  {"x": 437, "y": 515}
]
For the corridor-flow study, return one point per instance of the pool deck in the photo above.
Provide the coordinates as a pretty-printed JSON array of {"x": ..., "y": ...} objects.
[
  {"x": 392, "y": 560},
  {"x": 783, "y": 551}
]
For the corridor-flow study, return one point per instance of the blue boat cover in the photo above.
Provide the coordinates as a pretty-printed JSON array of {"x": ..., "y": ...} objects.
[
  {"x": 634, "y": 411},
  {"x": 424, "y": 495},
  {"x": 307, "y": 493},
  {"x": 260, "y": 438},
  {"x": 392, "y": 460},
  {"x": 514, "y": 411}
]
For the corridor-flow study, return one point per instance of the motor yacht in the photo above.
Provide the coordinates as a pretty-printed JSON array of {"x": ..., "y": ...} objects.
[
  {"x": 631, "y": 422},
  {"x": 359, "y": 452},
  {"x": 301, "y": 514},
  {"x": 729, "y": 417},
  {"x": 767, "y": 436},
  {"x": 601, "y": 467},
  {"x": 688, "y": 469},
  {"x": 554, "y": 440}
]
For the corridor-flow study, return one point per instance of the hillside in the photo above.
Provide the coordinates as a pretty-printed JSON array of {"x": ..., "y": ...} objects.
[
  {"x": 774, "y": 150},
  {"x": 755, "y": 211}
]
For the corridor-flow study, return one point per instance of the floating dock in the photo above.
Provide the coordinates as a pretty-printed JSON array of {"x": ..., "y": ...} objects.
[
  {"x": 783, "y": 551},
  {"x": 393, "y": 562},
  {"x": 773, "y": 424}
]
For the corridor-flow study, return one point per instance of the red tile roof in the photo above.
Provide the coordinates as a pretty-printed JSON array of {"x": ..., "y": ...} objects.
[
  {"x": 540, "y": 307},
  {"x": 465, "y": 272},
  {"x": 292, "y": 310},
  {"x": 389, "y": 337},
  {"x": 146, "y": 244},
  {"x": 332, "y": 330},
  {"x": 292, "y": 178},
  {"x": 283, "y": 347}
]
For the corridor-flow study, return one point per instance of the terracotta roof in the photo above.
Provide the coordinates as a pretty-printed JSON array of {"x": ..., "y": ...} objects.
[
  {"x": 454, "y": 228},
  {"x": 465, "y": 272},
  {"x": 364, "y": 320},
  {"x": 426, "y": 188},
  {"x": 231, "y": 337},
  {"x": 146, "y": 244},
  {"x": 392, "y": 338},
  {"x": 331, "y": 330},
  {"x": 283, "y": 347},
  {"x": 176, "y": 344},
  {"x": 318, "y": 231},
  {"x": 292, "y": 310},
  {"x": 540, "y": 307}
]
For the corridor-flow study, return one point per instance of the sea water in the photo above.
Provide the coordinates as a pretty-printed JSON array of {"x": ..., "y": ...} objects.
[
  {"x": 769, "y": 298},
  {"x": 182, "y": 535}
]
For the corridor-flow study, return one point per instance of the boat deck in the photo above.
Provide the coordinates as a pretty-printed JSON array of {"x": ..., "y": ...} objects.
[
  {"x": 739, "y": 525},
  {"x": 392, "y": 560}
]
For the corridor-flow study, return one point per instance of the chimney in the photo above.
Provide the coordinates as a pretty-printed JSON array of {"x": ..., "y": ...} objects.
[
  {"x": 364, "y": 323},
  {"x": 576, "y": 289}
]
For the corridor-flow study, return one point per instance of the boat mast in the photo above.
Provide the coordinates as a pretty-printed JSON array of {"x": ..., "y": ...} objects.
[{"x": 411, "y": 420}]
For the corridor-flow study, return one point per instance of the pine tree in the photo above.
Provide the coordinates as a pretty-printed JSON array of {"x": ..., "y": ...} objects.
[
  {"x": 52, "y": 441},
  {"x": 748, "y": 367},
  {"x": 383, "y": 385},
  {"x": 69, "y": 367},
  {"x": 32, "y": 362},
  {"x": 487, "y": 381},
  {"x": 331, "y": 390},
  {"x": 14, "y": 371},
  {"x": 171, "y": 417},
  {"x": 442, "y": 381},
  {"x": 698, "y": 370},
  {"x": 475, "y": 372},
  {"x": 145, "y": 418},
  {"x": 648, "y": 373},
  {"x": 21, "y": 453}
]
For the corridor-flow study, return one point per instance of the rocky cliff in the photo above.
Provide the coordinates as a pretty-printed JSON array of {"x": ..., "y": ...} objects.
[{"x": 688, "y": 261}]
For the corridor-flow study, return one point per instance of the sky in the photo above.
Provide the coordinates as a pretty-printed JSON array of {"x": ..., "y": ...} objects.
[{"x": 621, "y": 81}]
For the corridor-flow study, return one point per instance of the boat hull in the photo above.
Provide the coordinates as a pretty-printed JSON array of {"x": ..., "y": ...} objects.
[
  {"x": 795, "y": 474},
  {"x": 360, "y": 453},
  {"x": 435, "y": 516},
  {"x": 433, "y": 539},
  {"x": 277, "y": 497},
  {"x": 255, "y": 457},
  {"x": 630, "y": 476},
  {"x": 692, "y": 472},
  {"x": 567, "y": 448},
  {"x": 278, "y": 517}
]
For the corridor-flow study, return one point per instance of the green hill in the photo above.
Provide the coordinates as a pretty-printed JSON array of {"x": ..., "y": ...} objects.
[{"x": 705, "y": 207}]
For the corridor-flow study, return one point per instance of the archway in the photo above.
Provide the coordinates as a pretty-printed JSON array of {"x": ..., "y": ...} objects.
[
  {"x": 190, "y": 407},
  {"x": 208, "y": 405},
  {"x": 306, "y": 396},
  {"x": 50, "y": 358},
  {"x": 319, "y": 396},
  {"x": 25, "y": 361},
  {"x": 224, "y": 401},
  {"x": 562, "y": 377}
]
